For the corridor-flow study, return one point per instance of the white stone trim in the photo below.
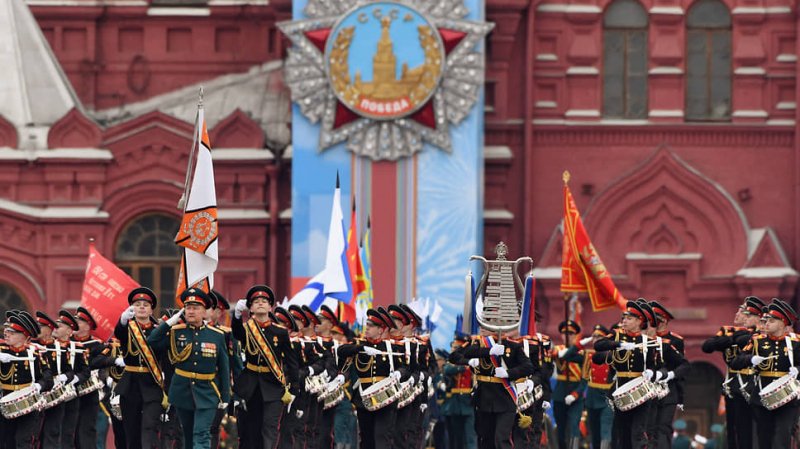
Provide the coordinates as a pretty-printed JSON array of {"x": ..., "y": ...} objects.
[
  {"x": 666, "y": 71},
  {"x": 12, "y": 154},
  {"x": 750, "y": 113},
  {"x": 786, "y": 57},
  {"x": 53, "y": 212},
  {"x": 582, "y": 70},
  {"x": 566, "y": 8},
  {"x": 497, "y": 214},
  {"x": 762, "y": 10},
  {"x": 582, "y": 113},
  {"x": 781, "y": 122},
  {"x": 242, "y": 214},
  {"x": 546, "y": 104},
  {"x": 546, "y": 57},
  {"x": 662, "y": 256},
  {"x": 666, "y": 113},
  {"x": 786, "y": 105},
  {"x": 548, "y": 121},
  {"x": 497, "y": 152},
  {"x": 750, "y": 71},
  {"x": 673, "y": 10},
  {"x": 285, "y": 214},
  {"x": 766, "y": 272},
  {"x": 164, "y": 11},
  {"x": 241, "y": 154},
  {"x": 547, "y": 273}
]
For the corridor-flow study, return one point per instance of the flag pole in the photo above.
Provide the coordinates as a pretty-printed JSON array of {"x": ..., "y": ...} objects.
[
  {"x": 565, "y": 177},
  {"x": 185, "y": 194}
]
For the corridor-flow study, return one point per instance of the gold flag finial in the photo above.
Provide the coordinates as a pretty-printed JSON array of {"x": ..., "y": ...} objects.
[{"x": 565, "y": 176}]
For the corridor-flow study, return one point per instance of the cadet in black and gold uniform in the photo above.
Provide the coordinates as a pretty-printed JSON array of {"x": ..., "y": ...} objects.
[
  {"x": 773, "y": 355},
  {"x": 215, "y": 315},
  {"x": 570, "y": 386},
  {"x": 21, "y": 366},
  {"x": 77, "y": 357},
  {"x": 269, "y": 379},
  {"x": 673, "y": 375},
  {"x": 738, "y": 414},
  {"x": 141, "y": 388}
]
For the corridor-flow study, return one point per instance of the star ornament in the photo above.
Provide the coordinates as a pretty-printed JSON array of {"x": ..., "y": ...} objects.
[{"x": 385, "y": 77}]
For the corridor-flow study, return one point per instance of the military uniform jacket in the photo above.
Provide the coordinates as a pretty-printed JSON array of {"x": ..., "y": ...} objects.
[
  {"x": 199, "y": 354},
  {"x": 257, "y": 372},
  {"x": 56, "y": 356},
  {"x": 726, "y": 342},
  {"x": 372, "y": 369},
  {"x": 98, "y": 355},
  {"x": 771, "y": 369},
  {"x": 16, "y": 375},
  {"x": 598, "y": 376},
  {"x": 490, "y": 394},
  {"x": 569, "y": 373},
  {"x": 137, "y": 378},
  {"x": 674, "y": 342},
  {"x": 458, "y": 381},
  {"x": 627, "y": 364}
]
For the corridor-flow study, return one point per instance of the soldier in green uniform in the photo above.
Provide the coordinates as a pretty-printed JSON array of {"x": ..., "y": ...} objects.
[
  {"x": 598, "y": 376},
  {"x": 457, "y": 408},
  {"x": 201, "y": 382},
  {"x": 570, "y": 385}
]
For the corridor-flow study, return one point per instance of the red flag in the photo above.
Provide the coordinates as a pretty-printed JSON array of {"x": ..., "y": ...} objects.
[
  {"x": 347, "y": 311},
  {"x": 582, "y": 270},
  {"x": 105, "y": 292}
]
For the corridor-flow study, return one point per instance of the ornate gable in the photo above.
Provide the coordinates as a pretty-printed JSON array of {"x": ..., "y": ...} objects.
[
  {"x": 74, "y": 130},
  {"x": 237, "y": 130}
]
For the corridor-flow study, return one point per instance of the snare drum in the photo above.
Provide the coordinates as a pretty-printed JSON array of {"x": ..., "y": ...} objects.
[
  {"x": 90, "y": 385},
  {"x": 316, "y": 384},
  {"x": 406, "y": 394},
  {"x": 525, "y": 397},
  {"x": 380, "y": 394},
  {"x": 332, "y": 397},
  {"x": 780, "y": 392},
  {"x": 116, "y": 409},
  {"x": 661, "y": 389},
  {"x": 633, "y": 394},
  {"x": 19, "y": 403},
  {"x": 60, "y": 393}
]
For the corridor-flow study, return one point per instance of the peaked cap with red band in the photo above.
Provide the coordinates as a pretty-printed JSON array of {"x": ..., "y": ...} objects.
[
  {"x": 327, "y": 313},
  {"x": 30, "y": 322},
  {"x": 649, "y": 313},
  {"x": 378, "y": 319},
  {"x": 397, "y": 313},
  {"x": 45, "y": 320},
  {"x": 284, "y": 318},
  {"x": 312, "y": 317},
  {"x": 196, "y": 296},
  {"x": 387, "y": 317},
  {"x": 783, "y": 311},
  {"x": 260, "y": 291},
  {"x": 16, "y": 323},
  {"x": 414, "y": 317},
  {"x": 68, "y": 319},
  {"x": 84, "y": 315},
  {"x": 634, "y": 309},
  {"x": 142, "y": 294},
  {"x": 222, "y": 303},
  {"x": 661, "y": 311},
  {"x": 299, "y": 316},
  {"x": 753, "y": 305}
]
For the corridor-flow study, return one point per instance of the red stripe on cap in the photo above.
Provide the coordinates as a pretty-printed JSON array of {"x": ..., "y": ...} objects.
[
  {"x": 45, "y": 322},
  {"x": 377, "y": 321},
  {"x": 400, "y": 316},
  {"x": 143, "y": 296},
  {"x": 780, "y": 316},
  {"x": 753, "y": 310},
  {"x": 636, "y": 312},
  {"x": 259, "y": 294},
  {"x": 18, "y": 328}
]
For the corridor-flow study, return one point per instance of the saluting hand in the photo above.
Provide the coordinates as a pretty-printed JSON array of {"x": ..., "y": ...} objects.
[
  {"x": 173, "y": 320},
  {"x": 241, "y": 306},
  {"x": 126, "y": 316}
]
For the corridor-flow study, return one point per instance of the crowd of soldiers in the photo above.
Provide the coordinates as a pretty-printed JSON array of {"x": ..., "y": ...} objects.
[{"x": 285, "y": 374}]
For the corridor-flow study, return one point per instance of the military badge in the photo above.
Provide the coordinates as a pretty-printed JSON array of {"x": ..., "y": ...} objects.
[{"x": 385, "y": 77}]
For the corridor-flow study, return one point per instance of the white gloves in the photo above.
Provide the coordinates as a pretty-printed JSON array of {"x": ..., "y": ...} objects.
[
  {"x": 298, "y": 414},
  {"x": 222, "y": 405},
  {"x": 658, "y": 375},
  {"x": 37, "y": 387},
  {"x": 126, "y": 316},
  {"x": 680, "y": 407},
  {"x": 529, "y": 384},
  {"x": 310, "y": 371},
  {"x": 5, "y": 358},
  {"x": 423, "y": 407},
  {"x": 648, "y": 374},
  {"x": 545, "y": 406},
  {"x": 421, "y": 377},
  {"x": 501, "y": 372},
  {"x": 62, "y": 378},
  {"x": 74, "y": 380},
  {"x": 627, "y": 345},
  {"x": 569, "y": 399},
  {"x": 756, "y": 360},
  {"x": 562, "y": 353},
  {"x": 396, "y": 375},
  {"x": 497, "y": 350},
  {"x": 442, "y": 386},
  {"x": 241, "y": 306},
  {"x": 339, "y": 379},
  {"x": 793, "y": 371},
  {"x": 120, "y": 362},
  {"x": 372, "y": 351},
  {"x": 173, "y": 320},
  {"x": 586, "y": 341},
  {"x": 474, "y": 363},
  {"x": 670, "y": 376},
  {"x": 109, "y": 381}
]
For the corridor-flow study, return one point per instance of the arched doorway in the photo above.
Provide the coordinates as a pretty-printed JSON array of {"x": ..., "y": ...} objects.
[
  {"x": 11, "y": 299},
  {"x": 701, "y": 394},
  {"x": 146, "y": 250}
]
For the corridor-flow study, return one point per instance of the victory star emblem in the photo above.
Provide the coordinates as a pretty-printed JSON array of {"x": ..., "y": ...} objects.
[{"x": 385, "y": 77}]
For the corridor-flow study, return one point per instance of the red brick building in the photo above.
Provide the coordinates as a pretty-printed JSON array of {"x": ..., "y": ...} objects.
[{"x": 677, "y": 120}]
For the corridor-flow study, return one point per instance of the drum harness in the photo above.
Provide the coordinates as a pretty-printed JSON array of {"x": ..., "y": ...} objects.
[{"x": 788, "y": 350}]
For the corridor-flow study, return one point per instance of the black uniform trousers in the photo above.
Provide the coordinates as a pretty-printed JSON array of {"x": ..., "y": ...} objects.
[
  {"x": 537, "y": 424},
  {"x": 495, "y": 429},
  {"x": 20, "y": 432},
  {"x": 406, "y": 419},
  {"x": 630, "y": 428},
  {"x": 523, "y": 438},
  {"x": 774, "y": 428},
  {"x": 325, "y": 428},
  {"x": 86, "y": 434},
  {"x": 69, "y": 426},
  {"x": 120, "y": 441},
  {"x": 663, "y": 413},
  {"x": 140, "y": 419},
  {"x": 215, "y": 425},
  {"x": 376, "y": 429},
  {"x": 171, "y": 432},
  {"x": 266, "y": 417},
  {"x": 51, "y": 427},
  {"x": 739, "y": 419}
]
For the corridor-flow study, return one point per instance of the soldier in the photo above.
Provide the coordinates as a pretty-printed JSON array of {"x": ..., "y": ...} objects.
[
  {"x": 598, "y": 377},
  {"x": 66, "y": 325},
  {"x": 170, "y": 431},
  {"x": 498, "y": 365},
  {"x": 774, "y": 355},
  {"x": 97, "y": 359},
  {"x": 21, "y": 367},
  {"x": 269, "y": 379},
  {"x": 570, "y": 385},
  {"x": 213, "y": 315},
  {"x": 457, "y": 409},
  {"x": 409, "y": 417},
  {"x": 201, "y": 382},
  {"x": 531, "y": 347},
  {"x": 115, "y": 374},
  {"x": 738, "y": 414},
  {"x": 546, "y": 368},
  {"x": 327, "y": 321},
  {"x": 665, "y": 412},
  {"x": 141, "y": 387},
  {"x": 345, "y": 425}
]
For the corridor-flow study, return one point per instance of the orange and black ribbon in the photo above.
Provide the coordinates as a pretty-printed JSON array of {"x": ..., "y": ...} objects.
[
  {"x": 266, "y": 350},
  {"x": 152, "y": 365}
]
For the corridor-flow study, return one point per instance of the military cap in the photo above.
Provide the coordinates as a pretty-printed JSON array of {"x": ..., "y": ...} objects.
[
  {"x": 649, "y": 313},
  {"x": 30, "y": 322},
  {"x": 45, "y": 320},
  {"x": 397, "y": 313},
  {"x": 67, "y": 318},
  {"x": 378, "y": 319},
  {"x": 142, "y": 294},
  {"x": 283, "y": 317},
  {"x": 17, "y": 323},
  {"x": 780, "y": 310},
  {"x": 312, "y": 317},
  {"x": 661, "y": 311},
  {"x": 441, "y": 353},
  {"x": 213, "y": 298},
  {"x": 600, "y": 329},
  {"x": 260, "y": 291},
  {"x": 388, "y": 317},
  {"x": 569, "y": 327},
  {"x": 195, "y": 296},
  {"x": 299, "y": 316},
  {"x": 327, "y": 313},
  {"x": 787, "y": 308},
  {"x": 222, "y": 303},
  {"x": 84, "y": 315},
  {"x": 634, "y": 309},
  {"x": 412, "y": 314},
  {"x": 752, "y": 305}
]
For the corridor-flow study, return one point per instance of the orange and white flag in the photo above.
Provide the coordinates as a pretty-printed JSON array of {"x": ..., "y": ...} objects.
[{"x": 198, "y": 232}]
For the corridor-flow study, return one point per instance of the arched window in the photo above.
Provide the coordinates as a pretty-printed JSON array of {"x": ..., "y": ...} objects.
[
  {"x": 146, "y": 250},
  {"x": 11, "y": 299},
  {"x": 708, "y": 61},
  {"x": 625, "y": 60}
]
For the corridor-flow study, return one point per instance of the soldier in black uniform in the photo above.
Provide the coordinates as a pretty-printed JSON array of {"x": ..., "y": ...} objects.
[
  {"x": 499, "y": 362},
  {"x": 21, "y": 366},
  {"x": 141, "y": 387},
  {"x": 270, "y": 375},
  {"x": 773, "y": 355},
  {"x": 738, "y": 414},
  {"x": 98, "y": 358},
  {"x": 115, "y": 374},
  {"x": 673, "y": 375},
  {"x": 327, "y": 320},
  {"x": 525, "y": 438},
  {"x": 66, "y": 325},
  {"x": 218, "y": 311}
]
